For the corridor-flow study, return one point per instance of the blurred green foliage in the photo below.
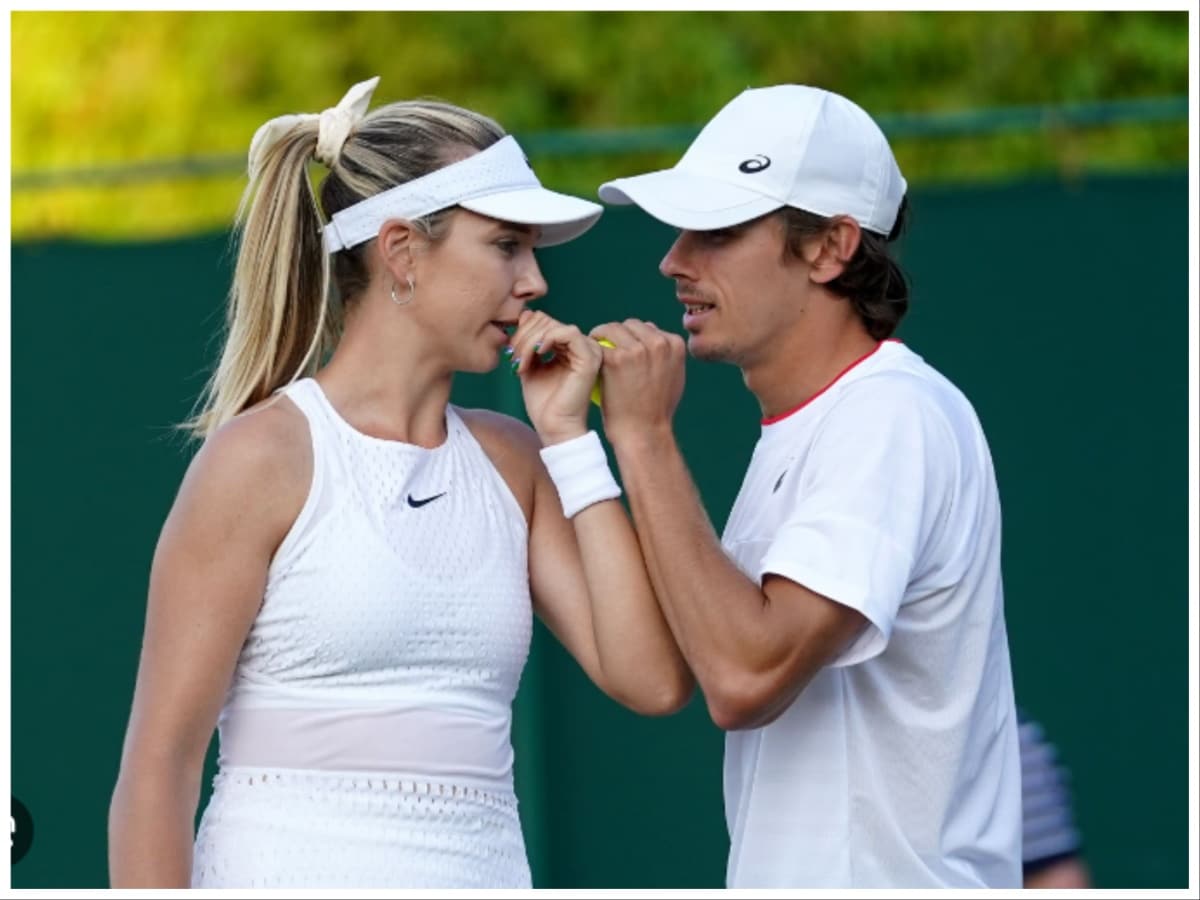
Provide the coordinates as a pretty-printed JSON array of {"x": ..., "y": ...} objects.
[{"x": 98, "y": 88}]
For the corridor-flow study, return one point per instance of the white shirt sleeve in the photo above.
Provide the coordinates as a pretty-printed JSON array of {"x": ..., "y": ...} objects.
[{"x": 873, "y": 483}]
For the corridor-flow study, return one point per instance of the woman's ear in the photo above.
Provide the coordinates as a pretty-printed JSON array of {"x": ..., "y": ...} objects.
[
  {"x": 395, "y": 247},
  {"x": 831, "y": 253}
]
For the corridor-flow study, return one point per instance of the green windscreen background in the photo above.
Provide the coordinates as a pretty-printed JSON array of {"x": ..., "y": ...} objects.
[{"x": 1060, "y": 308}]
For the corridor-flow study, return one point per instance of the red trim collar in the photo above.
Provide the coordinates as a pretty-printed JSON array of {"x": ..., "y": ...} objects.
[{"x": 795, "y": 409}]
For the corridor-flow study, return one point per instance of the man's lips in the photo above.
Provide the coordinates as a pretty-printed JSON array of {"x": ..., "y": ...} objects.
[
  {"x": 694, "y": 311},
  {"x": 692, "y": 301}
]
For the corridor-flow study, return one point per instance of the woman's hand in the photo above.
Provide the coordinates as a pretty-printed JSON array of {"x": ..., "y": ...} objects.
[{"x": 558, "y": 365}]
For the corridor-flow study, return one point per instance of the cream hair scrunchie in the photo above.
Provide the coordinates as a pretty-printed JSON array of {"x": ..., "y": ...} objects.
[{"x": 335, "y": 125}]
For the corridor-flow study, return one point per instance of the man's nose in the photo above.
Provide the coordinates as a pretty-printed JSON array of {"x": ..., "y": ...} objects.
[{"x": 675, "y": 263}]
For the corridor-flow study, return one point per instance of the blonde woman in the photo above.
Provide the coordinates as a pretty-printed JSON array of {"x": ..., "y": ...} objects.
[{"x": 345, "y": 583}]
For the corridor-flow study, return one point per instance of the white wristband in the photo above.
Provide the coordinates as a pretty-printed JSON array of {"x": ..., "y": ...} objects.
[{"x": 579, "y": 470}]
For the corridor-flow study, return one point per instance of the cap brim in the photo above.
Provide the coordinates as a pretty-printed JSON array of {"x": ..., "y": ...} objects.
[
  {"x": 689, "y": 201},
  {"x": 561, "y": 217}
]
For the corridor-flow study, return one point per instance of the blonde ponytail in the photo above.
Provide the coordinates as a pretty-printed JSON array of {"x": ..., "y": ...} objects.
[{"x": 277, "y": 320}]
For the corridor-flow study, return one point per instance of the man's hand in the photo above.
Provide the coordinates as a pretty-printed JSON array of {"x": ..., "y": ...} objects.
[{"x": 643, "y": 377}]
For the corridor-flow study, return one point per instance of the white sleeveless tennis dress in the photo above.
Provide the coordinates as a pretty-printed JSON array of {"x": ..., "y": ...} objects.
[{"x": 365, "y": 740}]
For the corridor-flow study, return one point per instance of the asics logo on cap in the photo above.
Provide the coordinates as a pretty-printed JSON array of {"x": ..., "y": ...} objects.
[{"x": 755, "y": 164}]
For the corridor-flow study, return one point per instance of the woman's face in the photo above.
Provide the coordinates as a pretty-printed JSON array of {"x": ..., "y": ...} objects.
[{"x": 474, "y": 283}]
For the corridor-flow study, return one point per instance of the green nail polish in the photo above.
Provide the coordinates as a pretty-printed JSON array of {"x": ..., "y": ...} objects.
[
  {"x": 548, "y": 356},
  {"x": 508, "y": 350}
]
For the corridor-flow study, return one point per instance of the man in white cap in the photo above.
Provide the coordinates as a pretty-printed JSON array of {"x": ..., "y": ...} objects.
[{"x": 848, "y": 629}]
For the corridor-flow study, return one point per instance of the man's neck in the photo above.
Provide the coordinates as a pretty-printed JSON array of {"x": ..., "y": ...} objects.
[{"x": 804, "y": 363}]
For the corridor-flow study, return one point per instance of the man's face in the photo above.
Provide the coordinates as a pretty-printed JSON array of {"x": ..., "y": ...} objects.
[{"x": 740, "y": 289}]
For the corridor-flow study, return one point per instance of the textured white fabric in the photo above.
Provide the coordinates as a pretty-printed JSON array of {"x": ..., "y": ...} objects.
[
  {"x": 290, "y": 828},
  {"x": 401, "y": 595},
  {"x": 580, "y": 472},
  {"x": 371, "y": 601},
  {"x": 898, "y": 765},
  {"x": 335, "y": 125},
  {"x": 497, "y": 181}
]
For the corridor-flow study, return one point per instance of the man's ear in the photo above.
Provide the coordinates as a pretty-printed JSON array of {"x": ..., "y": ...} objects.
[
  {"x": 395, "y": 245},
  {"x": 829, "y": 255}
]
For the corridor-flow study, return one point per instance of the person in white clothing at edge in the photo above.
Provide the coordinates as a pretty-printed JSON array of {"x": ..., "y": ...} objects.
[
  {"x": 346, "y": 580},
  {"x": 847, "y": 630}
]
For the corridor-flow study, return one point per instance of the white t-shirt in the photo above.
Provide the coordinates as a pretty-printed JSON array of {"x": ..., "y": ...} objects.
[{"x": 898, "y": 765}]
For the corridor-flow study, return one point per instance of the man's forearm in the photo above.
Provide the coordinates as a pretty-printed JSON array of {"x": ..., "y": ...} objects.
[{"x": 704, "y": 596}]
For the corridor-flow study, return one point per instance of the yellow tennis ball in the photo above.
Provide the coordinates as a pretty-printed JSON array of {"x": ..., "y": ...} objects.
[{"x": 603, "y": 342}]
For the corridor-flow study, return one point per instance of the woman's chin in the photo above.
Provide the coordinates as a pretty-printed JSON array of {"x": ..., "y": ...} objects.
[{"x": 482, "y": 363}]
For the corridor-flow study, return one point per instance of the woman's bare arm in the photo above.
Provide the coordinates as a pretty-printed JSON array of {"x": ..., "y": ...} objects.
[{"x": 239, "y": 497}]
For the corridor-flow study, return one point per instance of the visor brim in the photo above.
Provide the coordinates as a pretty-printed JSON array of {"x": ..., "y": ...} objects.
[{"x": 561, "y": 217}]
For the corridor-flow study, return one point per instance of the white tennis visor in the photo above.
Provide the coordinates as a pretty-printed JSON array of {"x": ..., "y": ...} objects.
[{"x": 496, "y": 182}]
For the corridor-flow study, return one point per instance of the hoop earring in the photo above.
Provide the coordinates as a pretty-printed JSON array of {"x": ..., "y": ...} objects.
[{"x": 412, "y": 288}]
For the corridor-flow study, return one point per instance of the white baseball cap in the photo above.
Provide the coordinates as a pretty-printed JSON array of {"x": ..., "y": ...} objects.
[{"x": 787, "y": 145}]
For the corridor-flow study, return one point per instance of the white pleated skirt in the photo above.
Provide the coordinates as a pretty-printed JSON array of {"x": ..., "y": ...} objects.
[{"x": 279, "y": 828}]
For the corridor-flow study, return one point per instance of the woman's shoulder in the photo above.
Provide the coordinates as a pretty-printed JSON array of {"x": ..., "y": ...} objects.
[
  {"x": 488, "y": 425},
  {"x": 261, "y": 454},
  {"x": 511, "y": 445},
  {"x": 273, "y": 432}
]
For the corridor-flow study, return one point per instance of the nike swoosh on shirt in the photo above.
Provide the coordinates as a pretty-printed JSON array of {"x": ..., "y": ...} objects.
[{"x": 417, "y": 504}]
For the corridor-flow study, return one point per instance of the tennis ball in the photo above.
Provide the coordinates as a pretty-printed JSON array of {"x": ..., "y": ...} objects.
[{"x": 603, "y": 342}]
